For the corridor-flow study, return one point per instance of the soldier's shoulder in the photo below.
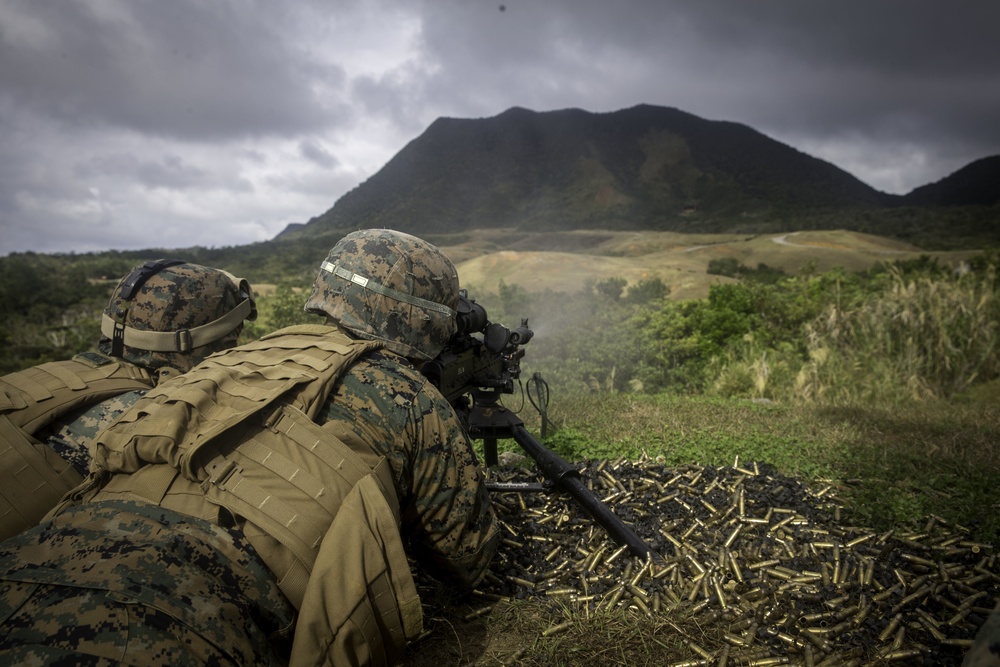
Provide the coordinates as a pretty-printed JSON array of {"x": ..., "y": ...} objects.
[{"x": 393, "y": 366}]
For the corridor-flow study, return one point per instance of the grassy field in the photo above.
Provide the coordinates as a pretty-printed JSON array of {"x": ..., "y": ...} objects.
[
  {"x": 563, "y": 262},
  {"x": 898, "y": 465},
  {"x": 893, "y": 467}
]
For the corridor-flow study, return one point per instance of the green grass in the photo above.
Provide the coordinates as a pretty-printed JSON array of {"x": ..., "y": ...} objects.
[{"x": 896, "y": 465}]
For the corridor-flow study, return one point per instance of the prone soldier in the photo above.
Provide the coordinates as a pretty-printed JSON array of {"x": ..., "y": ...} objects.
[
  {"x": 273, "y": 492},
  {"x": 163, "y": 318}
]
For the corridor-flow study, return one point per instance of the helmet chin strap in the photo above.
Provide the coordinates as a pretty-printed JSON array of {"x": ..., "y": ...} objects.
[{"x": 184, "y": 340}]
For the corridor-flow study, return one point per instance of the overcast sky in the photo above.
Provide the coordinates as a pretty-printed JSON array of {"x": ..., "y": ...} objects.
[{"x": 129, "y": 124}]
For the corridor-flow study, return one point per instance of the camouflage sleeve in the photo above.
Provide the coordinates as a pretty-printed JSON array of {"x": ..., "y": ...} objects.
[
  {"x": 386, "y": 405},
  {"x": 72, "y": 436}
]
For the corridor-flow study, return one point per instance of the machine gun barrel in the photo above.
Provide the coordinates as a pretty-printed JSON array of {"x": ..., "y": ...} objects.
[
  {"x": 567, "y": 478},
  {"x": 489, "y": 421}
]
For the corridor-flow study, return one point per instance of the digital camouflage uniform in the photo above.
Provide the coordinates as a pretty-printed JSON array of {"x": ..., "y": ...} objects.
[
  {"x": 164, "y": 316},
  {"x": 72, "y": 436},
  {"x": 125, "y": 583},
  {"x": 380, "y": 408},
  {"x": 985, "y": 651}
]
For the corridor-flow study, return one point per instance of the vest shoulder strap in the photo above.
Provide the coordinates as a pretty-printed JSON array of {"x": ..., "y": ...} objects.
[{"x": 172, "y": 422}]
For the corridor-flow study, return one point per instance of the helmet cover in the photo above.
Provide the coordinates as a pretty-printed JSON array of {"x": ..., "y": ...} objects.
[
  {"x": 174, "y": 296},
  {"x": 390, "y": 286}
]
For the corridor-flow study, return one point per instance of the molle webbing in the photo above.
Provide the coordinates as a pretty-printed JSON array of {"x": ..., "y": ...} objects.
[
  {"x": 241, "y": 424},
  {"x": 172, "y": 422},
  {"x": 33, "y": 398},
  {"x": 290, "y": 479},
  {"x": 35, "y": 477}
]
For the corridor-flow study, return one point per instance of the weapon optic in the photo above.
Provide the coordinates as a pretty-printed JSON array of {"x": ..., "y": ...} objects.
[{"x": 476, "y": 367}]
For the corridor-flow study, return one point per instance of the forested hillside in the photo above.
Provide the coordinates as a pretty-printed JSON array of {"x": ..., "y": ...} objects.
[{"x": 644, "y": 168}]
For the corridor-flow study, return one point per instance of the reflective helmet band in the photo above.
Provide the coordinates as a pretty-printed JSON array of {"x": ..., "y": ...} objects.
[
  {"x": 178, "y": 341},
  {"x": 369, "y": 284}
]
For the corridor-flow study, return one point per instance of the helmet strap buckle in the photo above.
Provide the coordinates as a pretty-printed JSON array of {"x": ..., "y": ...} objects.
[
  {"x": 118, "y": 340},
  {"x": 183, "y": 341}
]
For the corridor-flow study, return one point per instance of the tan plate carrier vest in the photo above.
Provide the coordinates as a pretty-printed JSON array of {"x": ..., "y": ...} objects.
[
  {"x": 240, "y": 427},
  {"x": 34, "y": 477}
]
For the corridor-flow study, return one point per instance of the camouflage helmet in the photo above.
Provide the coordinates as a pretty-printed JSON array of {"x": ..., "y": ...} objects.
[
  {"x": 169, "y": 314},
  {"x": 385, "y": 285}
]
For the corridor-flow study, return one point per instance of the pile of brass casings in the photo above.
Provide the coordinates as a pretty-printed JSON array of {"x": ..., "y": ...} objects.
[{"x": 764, "y": 556}]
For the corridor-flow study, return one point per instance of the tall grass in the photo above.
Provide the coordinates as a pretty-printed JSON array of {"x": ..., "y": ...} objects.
[{"x": 920, "y": 339}]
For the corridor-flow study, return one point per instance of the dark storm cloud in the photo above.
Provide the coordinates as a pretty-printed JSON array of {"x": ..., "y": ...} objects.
[
  {"x": 899, "y": 75},
  {"x": 314, "y": 152},
  {"x": 222, "y": 120},
  {"x": 184, "y": 69}
]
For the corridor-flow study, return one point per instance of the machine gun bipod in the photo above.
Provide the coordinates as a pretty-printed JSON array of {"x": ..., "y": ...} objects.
[{"x": 490, "y": 421}]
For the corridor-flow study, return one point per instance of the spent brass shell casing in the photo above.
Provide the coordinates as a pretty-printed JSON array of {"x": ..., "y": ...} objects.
[
  {"x": 890, "y": 629},
  {"x": 697, "y": 567},
  {"x": 482, "y": 611},
  {"x": 636, "y": 591},
  {"x": 734, "y": 566},
  {"x": 641, "y": 605},
  {"x": 614, "y": 598},
  {"x": 917, "y": 559},
  {"x": 778, "y": 574},
  {"x": 931, "y": 628},
  {"x": 614, "y": 556},
  {"x": 698, "y": 649},
  {"x": 723, "y": 657},
  {"x": 921, "y": 592},
  {"x": 898, "y": 638},
  {"x": 750, "y": 634},
  {"x": 719, "y": 593},
  {"x": 959, "y": 616},
  {"x": 763, "y": 564},
  {"x": 555, "y": 629},
  {"x": 887, "y": 593},
  {"x": 816, "y": 640},
  {"x": 837, "y": 602},
  {"x": 859, "y": 540},
  {"x": 818, "y": 616},
  {"x": 670, "y": 538},
  {"x": 904, "y": 654},
  {"x": 560, "y": 592},
  {"x": 521, "y": 582},
  {"x": 701, "y": 605},
  {"x": 784, "y": 637},
  {"x": 845, "y": 612},
  {"x": 696, "y": 525},
  {"x": 766, "y": 662}
]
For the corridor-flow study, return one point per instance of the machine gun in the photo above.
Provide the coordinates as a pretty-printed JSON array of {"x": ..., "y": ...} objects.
[{"x": 476, "y": 367}]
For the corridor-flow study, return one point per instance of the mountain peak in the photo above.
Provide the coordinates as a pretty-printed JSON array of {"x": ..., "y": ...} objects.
[{"x": 643, "y": 167}]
